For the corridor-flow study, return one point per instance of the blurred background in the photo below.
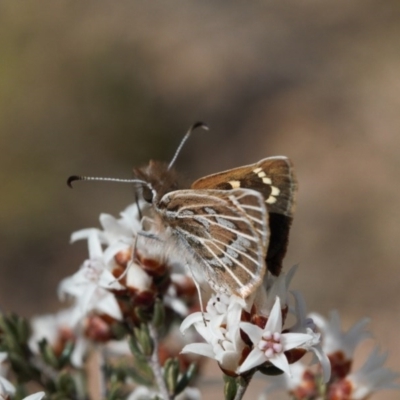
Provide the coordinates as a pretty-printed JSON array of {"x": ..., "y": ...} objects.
[{"x": 98, "y": 87}]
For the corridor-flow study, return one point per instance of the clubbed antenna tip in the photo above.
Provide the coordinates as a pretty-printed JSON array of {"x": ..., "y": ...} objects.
[
  {"x": 73, "y": 178},
  {"x": 198, "y": 125}
]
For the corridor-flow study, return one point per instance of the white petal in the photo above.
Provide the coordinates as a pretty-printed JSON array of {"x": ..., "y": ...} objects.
[
  {"x": 94, "y": 245},
  {"x": 35, "y": 396},
  {"x": 253, "y": 331},
  {"x": 356, "y": 334},
  {"x": 274, "y": 323},
  {"x": 137, "y": 278},
  {"x": 292, "y": 340},
  {"x": 130, "y": 217},
  {"x": 191, "y": 320},
  {"x": 280, "y": 361},
  {"x": 324, "y": 361},
  {"x": 204, "y": 349},
  {"x": 177, "y": 305},
  {"x": 254, "y": 359},
  {"x": 233, "y": 315},
  {"x": 6, "y": 387},
  {"x": 86, "y": 298},
  {"x": 75, "y": 316},
  {"x": 112, "y": 227},
  {"x": 108, "y": 281},
  {"x": 109, "y": 305},
  {"x": 278, "y": 289},
  {"x": 229, "y": 360},
  {"x": 83, "y": 234},
  {"x": 300, "y": 313},
  {"x": 290, "y": 274}
]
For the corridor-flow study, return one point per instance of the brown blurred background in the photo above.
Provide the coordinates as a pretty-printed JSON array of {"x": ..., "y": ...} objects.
[{"x": 97, "y": 87}]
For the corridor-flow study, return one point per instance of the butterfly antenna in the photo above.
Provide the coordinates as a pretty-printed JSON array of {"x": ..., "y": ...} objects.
[
  {"x": 185, "y": 138},
  {"x": 74, "y": 178}
]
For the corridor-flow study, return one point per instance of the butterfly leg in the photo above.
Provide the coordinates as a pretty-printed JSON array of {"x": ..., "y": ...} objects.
[
  {"x": 149, "y": 235},
  {"x": 198, "y": 288}
]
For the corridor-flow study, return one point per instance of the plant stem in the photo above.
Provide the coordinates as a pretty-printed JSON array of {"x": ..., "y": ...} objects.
[
  {"x": 155, "y": 364},
  {"x": 243, "y": 384},
  {"x": 102, "y": 388}
]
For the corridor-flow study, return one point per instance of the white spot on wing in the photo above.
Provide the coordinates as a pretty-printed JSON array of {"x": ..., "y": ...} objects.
[
  {"x": 267, "y": 180},
  {"x": 275, "y": 191},
  {"x": 234, "y": 184}
]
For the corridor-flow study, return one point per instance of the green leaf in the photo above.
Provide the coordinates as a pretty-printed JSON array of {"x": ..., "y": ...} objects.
[
  {"x": 171, "y": 374},
  {"x": 66, "y": 354},
  {"x": 145, "y": 342},
  {"x": 134, "y": 346},
  {"x": 186, "y": 378},
  {"x": 66, "y": 385},
  {"x": 230, "y": 387},
  {"x": 47, "y": 353}
]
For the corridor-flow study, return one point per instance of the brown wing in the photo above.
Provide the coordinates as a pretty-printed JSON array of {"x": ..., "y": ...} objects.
[
  {"x": 274, "y": 178},
  {"x": 224, "y": 231}
]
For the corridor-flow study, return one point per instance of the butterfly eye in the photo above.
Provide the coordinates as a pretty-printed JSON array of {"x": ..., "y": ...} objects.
[{"x": 147, "y": 194}]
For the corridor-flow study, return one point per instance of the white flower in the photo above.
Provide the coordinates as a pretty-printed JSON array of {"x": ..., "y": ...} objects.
[
  {"x": 372, "y": 376},
  {"x": 273, "y": 287},
  {"x": 90, "y": 288},
  {"x": 114, "y": 230},
  {"x": 334, "y": 339},
  {"x": 57, "y": 329},
  {"x": 117, "y": 234},
  {"x": 220, "y": 328},
  {"x": 306, "y": 324},
  {"x": 270, "y": 343},
  {"x": 130, "y": 217},
  {"x": 6, "y": 387}
]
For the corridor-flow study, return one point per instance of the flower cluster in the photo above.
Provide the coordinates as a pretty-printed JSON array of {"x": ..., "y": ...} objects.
[
  {"x": 344, "y": 383},
  {"x": 127, "y": 299},
  {"x": 134, "y": 306},
  {"x": 245, "y": 336}
]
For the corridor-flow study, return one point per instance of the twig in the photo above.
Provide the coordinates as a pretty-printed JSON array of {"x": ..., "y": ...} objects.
[
  {"x": 243, "y": 384},
  {"x": 155, "y": 364},
  {"x": 102, "y": 387}
]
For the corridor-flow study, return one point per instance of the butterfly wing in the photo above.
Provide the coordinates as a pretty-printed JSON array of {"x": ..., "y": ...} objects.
[
  {"x": 224, "y": 231},
  {"x": 274, "y": 179}
]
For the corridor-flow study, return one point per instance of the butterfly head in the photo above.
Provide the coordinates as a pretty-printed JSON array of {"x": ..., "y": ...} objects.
[{"x": 160, "y": 179}]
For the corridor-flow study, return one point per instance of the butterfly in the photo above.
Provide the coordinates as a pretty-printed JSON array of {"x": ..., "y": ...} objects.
[{"x": 233, "y": 224}]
